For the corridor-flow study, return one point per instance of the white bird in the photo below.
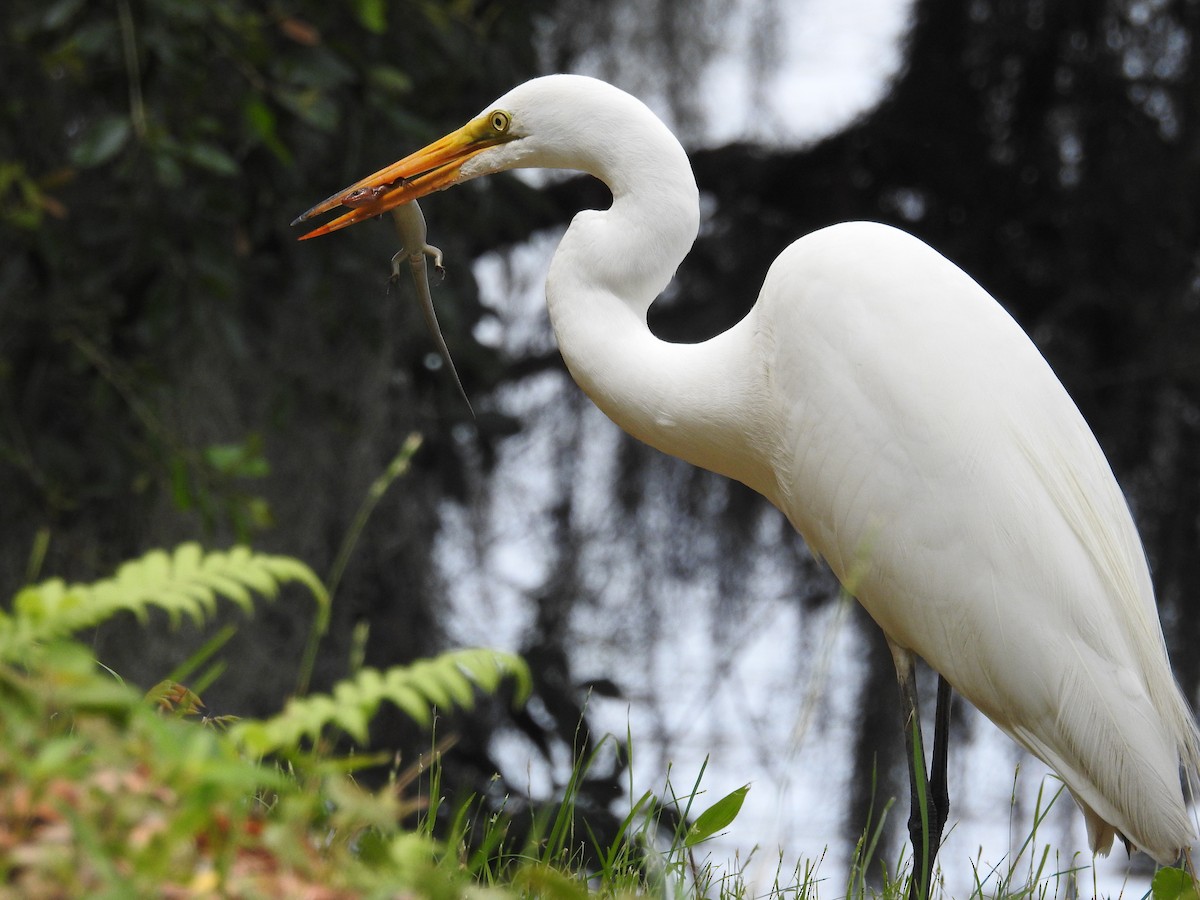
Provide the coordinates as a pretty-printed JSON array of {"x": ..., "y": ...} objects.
[{"x": 905, "y": 425}]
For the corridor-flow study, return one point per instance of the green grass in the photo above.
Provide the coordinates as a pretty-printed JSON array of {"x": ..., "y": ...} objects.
[
  {"x": 109, "y": 791},
  {"x": 106, "y": 792}
]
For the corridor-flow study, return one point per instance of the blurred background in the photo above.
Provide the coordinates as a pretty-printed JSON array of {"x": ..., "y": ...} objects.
[{"x": 174, "y": 366}]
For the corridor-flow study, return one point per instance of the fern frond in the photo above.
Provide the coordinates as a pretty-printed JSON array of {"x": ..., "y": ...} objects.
[
  {"x": 447, "y": 681},
  {"x": 185, "y": 582}
]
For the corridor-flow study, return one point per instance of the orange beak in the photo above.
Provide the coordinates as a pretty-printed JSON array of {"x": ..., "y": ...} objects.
[{"x": 430, "y": 169}]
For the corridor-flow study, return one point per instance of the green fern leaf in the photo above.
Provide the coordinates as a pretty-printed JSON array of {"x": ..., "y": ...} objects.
[
  {"x": 482, "y": 668},
  {"x": 285, "y": 569},
  {"x": 397, "y": 686},
  {"x": 227, "y": 586},
  {"x": 447, "y": 681},
  {"x": 185, "y": 582},
  {"x": 426, "y": 677}
]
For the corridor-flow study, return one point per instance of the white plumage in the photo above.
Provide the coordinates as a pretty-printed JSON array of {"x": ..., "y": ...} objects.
[{"x": 897, "y": 415}]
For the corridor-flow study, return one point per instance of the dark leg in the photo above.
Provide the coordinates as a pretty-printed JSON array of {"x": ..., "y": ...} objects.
[
  {"x": 928, "y": 798},
  {"x": 939, "y": 790}
]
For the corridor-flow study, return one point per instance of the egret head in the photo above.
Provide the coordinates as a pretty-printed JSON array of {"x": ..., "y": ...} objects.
[{"x": 556, "y": 121}]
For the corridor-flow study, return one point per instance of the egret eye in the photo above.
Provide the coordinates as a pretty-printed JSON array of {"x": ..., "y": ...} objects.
[{"x": 500, "y": 121}]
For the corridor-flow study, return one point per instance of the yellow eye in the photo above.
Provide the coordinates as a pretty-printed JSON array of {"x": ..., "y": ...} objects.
[{"x": 500, "y": 121}]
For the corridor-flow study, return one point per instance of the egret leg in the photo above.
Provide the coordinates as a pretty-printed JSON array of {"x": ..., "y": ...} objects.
[
  {"x": 939, "y": 789},
  {"x": 929, "y": 798}
]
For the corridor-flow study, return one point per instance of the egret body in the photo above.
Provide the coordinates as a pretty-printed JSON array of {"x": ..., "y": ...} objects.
[{"x": 901, "y": 420}]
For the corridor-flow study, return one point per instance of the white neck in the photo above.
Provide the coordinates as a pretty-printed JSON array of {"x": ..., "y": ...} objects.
[{"x": 688, "y": 400}]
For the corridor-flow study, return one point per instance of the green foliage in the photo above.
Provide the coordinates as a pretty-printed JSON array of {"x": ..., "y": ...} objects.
[
  {"x": 213, "y": 482},
  {"x": 108, "y": 791},
  {"x": 866, "y": 846},
  {"x": 1173, "y": 884},
  {"x": 717, "y": 817},
  {"x": 187, "y": 582},
  {"x": 445, "y": 682},
  {"x": 654, "y": 850},
  {"x": 101, "y": 793},
  {"x": 98, "y": 793}
]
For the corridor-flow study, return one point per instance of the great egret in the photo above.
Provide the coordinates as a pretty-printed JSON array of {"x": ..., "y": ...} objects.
[{"x": 903, "y": 423}]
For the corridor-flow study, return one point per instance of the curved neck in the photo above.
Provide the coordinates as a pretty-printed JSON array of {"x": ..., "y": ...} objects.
[{"x": 694, "y": 401}]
